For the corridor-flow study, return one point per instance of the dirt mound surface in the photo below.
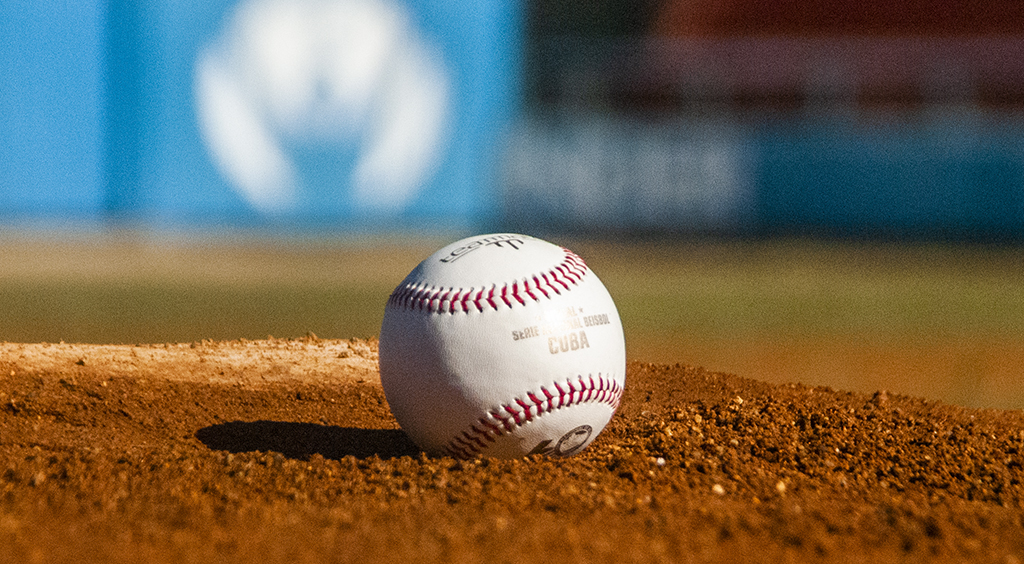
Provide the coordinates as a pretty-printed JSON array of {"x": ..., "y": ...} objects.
[{"x": 285, "y": 451}]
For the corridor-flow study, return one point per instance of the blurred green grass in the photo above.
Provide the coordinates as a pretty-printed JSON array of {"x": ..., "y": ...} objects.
[
  {"x": 940, "y": 320},
  {"x": 812, "y": 288},
  {"x": 124, "y": 288}
]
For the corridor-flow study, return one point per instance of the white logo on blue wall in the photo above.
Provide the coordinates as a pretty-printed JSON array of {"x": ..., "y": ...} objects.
[{"x": 300, "y": 89}]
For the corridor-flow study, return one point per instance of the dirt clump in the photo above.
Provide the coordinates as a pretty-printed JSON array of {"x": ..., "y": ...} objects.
[{"x": 148, "y": 462}]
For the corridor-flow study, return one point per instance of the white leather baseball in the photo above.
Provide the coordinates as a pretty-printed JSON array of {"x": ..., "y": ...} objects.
[{"x": 502, "y": 346}]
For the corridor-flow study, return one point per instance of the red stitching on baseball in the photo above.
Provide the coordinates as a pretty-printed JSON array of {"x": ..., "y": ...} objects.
[
  {"x": 526, "y": 409},
  {"x": 551, "y": 284},
  {"x": 561, "y": 394},
  {"x": 572, "y": 392},
  {"x": 505, "y": 421},
  {"x": 537, "y": 402},
  {"x": 515, "y": 293},
  {"x": 515, "y": 414},
  {"x": 529, "y": 290},
  {"x": 564, "y": 272},
  {"x": 536, "y": 284},
  {"x": 507, "y": 418},
  {"x": 549, "y": 397},
  {"x": 563, "y": 276}
]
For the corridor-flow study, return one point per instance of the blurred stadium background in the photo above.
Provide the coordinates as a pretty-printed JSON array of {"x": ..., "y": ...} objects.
[{"x": 829, "y": 192}]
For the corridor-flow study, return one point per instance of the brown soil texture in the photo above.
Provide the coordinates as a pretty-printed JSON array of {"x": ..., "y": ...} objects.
[{"x": 285, "y": 451}]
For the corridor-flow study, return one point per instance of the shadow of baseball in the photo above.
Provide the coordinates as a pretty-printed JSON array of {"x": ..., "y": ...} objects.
[{"x": 303, "y": 440}]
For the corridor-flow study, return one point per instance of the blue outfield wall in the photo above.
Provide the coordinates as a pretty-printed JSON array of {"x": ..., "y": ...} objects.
[
  {"x": 337, "y": 115},
  {"x": 51, "y": 129},
  {"x": 308, "y": 114},
  {"x": 323, "y": 114},
  {"x": 955, "y": 173}
]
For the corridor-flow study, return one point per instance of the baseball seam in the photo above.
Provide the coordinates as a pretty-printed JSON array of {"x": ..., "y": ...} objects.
[
  {"x": 533, "y": 288},
  {"x": 508, "y": 417}
]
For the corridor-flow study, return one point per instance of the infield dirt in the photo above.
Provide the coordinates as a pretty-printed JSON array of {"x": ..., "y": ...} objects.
[{"x": 285, "y": 451}]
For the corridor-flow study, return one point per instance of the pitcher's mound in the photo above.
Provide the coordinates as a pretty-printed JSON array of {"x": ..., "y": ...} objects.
[{"x": 285, "y": 451}]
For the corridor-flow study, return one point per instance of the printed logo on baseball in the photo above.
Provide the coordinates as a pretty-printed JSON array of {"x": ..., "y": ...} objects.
[{"x": 502, "y": 346}]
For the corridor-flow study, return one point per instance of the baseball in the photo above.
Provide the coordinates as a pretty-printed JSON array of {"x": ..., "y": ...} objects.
[{"x": 502, "y": 346}]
